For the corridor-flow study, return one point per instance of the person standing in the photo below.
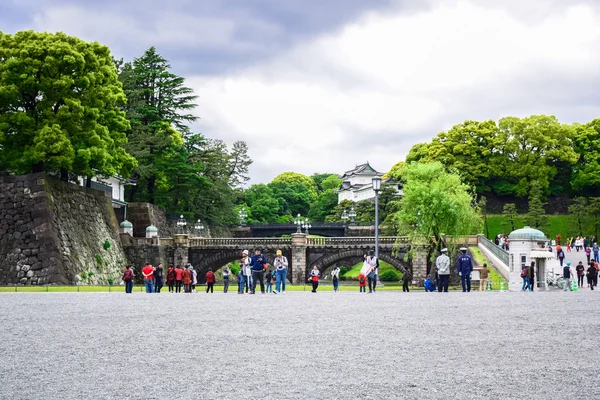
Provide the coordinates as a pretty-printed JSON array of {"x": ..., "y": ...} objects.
[
  {"x": 592, "y": 274},
  {"x": 371, "y": 261},
  {"x": 226, "y": 273},
  {"x": 558, "y": 239},
  {"x": 465, "y": 268},
  {"x": 525, "y": 276},
  {"x": 443, "y": 269},
  {"x": 158, "y": 278},
  {"x": 128, "y": 279},
  {"x": 178, "y": 278},
  {"x": 269, "y": 281},
  {"x": 171, "y": 279},
  {"x": 187, "y": 280},
  {"x": 362, "y": 283},
  {"x": 257, "y": 264},
  {"x": 210, "y": 280},
  {"x": 595, "y": 250},
  {"x": 483, "y": 277},
  {"x": 406, "y": 277},
  {"x": 335, "y": 278},
  {"x": 580, "y": 270},
  {"x": 567, "y": 274},
  {"x": 531, "y": 276},
  {"x": 588, "y": 253},
  {"x": 314, "y": 277},
  {"x": 241, "y": 281},
  {"x": 561, "y": 256},
  {"x": 194, "y": 278},
  {"x": 280, "y": 264},
  {"x": 148, "y": 273},
  {"x": 247, "y": 271}
]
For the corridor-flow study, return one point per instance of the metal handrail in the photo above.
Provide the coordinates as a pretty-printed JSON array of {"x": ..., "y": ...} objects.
[
  {"x": 343, "y": 241},
  {"x": 494, "y": 249},
  {"x": 243, "y": 242}
]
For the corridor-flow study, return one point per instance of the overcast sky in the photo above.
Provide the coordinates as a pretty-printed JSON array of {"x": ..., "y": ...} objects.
[{"x": 323, "y": 85}]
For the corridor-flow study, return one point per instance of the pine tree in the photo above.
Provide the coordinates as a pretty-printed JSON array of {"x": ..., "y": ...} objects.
[{"x": 536, "y": 216}]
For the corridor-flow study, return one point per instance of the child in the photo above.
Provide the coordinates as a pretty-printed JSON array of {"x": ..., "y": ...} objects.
[
  {"x": 268, "y": 281},
  {"x": 362, "y": 283},
  {"x": 429, "y": 286}
]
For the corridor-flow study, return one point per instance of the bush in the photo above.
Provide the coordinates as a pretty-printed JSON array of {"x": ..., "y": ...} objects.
[
  {"x": 390, "y": 275},
  {"x": 343, "y": 270},
  {"x": 99, "y": 259},
  {"x": 235, "y": 269},
  {"x": 106, "y": 245},
  {"x": 83, "y": 276},
  {"x": 110, "y": 282}
]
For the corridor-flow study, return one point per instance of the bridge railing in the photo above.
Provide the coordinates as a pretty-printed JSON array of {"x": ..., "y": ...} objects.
[
  {"x": 494, "y": 249},
  {"x": 355, "y": 241},
  {"x": 240, "y": 242}
]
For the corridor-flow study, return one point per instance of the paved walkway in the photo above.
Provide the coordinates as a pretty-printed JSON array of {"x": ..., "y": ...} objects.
[{"x": 299, "y": 346}]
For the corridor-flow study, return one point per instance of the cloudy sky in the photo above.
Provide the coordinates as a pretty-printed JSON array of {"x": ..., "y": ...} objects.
[{"x": 323, "y": 85}]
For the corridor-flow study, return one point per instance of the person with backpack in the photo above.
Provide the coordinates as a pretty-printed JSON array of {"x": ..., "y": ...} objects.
[
  {"x": 187, "y": 280},
  {"x": 531, "y": 276},
  {"x": 226, "y": 273},
  {"x": 484, "y": 272},
  {"x": 210, "y": 280},
  {"x": 269, "y": 281},
  {"x": 178, "y": 279},
  {"x": 592, "y": 275},
  {"x": 371, "y": 261},
  {"x": 171, "y": 279},
  {"x": 568, "y": 275},
  {"x": 158, "y": 278},
  {"x": 406, "y": 277},
  {"x": 443, "y": 270},
  {"x": 561, "y": 256},
  {"x": 335, "y": 278},
  {"x": 525, "y": 276},
  {"x": 128, "y": 279},
  {"x": 314, "y": 277},
  {"x": 580, "y": 270},
  {"x": 362, "y": 283},
  {"x": 465, "y": 268},
  {"x": 281, "y": 264}
]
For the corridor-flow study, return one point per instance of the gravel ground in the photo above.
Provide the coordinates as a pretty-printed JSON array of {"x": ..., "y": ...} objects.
[{"x": 299, "y": 345}]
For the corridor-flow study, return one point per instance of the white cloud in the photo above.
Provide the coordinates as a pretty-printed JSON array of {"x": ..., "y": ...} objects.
[{"x": 375, "y": 87}]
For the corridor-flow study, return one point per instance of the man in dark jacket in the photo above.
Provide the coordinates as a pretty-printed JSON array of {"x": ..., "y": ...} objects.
[
  {"x": 464, "y": 265},
  {"x": 257, "y": 265}
]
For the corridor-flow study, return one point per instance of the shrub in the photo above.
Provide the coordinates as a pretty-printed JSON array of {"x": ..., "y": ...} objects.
[
  {"x": 99, "y": 259},
  {"x": 83, "y": 276},
  {"x": 111, "y": 281},
  {"x": 390, "y": 275},
  {"x": 90, "y": 274},
  {"x": 235, "y": 269},
  {"x": 343, "y": 270},
  {"x": 107, "y": 245}
]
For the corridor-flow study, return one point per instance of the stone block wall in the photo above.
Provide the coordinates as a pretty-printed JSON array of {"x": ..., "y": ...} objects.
[
  {"x": 142, "y": 215},
  {"x": 138, "y": 256},
  {"x": 53, "y": 232}
]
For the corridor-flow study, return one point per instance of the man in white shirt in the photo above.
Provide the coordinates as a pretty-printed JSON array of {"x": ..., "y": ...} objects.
[{"x": 443, "y": 269}]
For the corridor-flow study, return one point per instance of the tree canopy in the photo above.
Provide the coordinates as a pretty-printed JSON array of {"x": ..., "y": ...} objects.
[{"x": 60, "y": 107}]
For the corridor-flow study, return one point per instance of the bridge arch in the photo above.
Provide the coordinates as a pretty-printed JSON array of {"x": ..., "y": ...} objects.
[{"x": 325, "y": 261}]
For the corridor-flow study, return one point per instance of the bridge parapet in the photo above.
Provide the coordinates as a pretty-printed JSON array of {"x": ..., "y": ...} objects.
[
  {"x": 237, "y": 243},
  {"x": 345, "y": 242}
]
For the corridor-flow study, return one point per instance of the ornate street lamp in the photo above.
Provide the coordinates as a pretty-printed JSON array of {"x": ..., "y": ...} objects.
[
  {"x": 306, "y": 225},
  {"x": 352, "y": 215},
  {"x": 181, "y": 224},
  {"x": 242, "y": 215},
  {"x": 376, "y": 188},
  {"x": 298, "y": 221},
  {"x": 345, "y": 216},
  {"x": 199, "y": 227}
]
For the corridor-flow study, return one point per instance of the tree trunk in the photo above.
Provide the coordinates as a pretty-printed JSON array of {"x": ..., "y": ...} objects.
[
  {"x": 37, "y": 167},
  {"x": 88, "y": 182},
  {"x": 151, "y": 189},
  {"x": 64, "y": 175}
]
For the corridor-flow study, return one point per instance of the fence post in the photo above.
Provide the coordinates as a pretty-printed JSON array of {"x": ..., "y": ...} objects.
[
  {"x": 46, "y": 288},
  {"x": 16, "y": 288}
]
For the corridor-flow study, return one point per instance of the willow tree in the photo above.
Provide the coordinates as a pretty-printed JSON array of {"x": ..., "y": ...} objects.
[
  {"x": 436, "y": 206},
  {"x": 60, "y": 107}
]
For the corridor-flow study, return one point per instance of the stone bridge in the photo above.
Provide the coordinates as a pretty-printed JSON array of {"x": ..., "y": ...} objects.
[{"x": 302, "y": 252}]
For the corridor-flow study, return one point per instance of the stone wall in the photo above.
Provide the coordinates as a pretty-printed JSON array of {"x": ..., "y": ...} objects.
[
  {"x": 142, "y": 215},
  {"x": 139, "y": 255},
  {"x": 54, "y": 232}
]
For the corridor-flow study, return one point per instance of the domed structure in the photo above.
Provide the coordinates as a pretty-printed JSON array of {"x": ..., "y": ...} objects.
[
  {"x": 126, "y": 227},
  {"x": 527, "y": 233},
  {"x": 151, "y": 232}
]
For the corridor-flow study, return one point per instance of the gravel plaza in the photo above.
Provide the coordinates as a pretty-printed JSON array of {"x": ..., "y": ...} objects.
[{"x": 299, "y": 345}]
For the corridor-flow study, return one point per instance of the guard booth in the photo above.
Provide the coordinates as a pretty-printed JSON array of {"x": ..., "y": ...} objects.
[{"x": 527, "y": 245}]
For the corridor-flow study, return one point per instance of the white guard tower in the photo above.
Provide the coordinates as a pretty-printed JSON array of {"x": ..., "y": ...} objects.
[{"x": 527, "y": 245}]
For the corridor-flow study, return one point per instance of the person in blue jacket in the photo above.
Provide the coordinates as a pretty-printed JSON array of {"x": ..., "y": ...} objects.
[
  {"x": 257, "y": 265},
  {"x": 464, "y": 265},
  {"x": 429, "y": 285}
]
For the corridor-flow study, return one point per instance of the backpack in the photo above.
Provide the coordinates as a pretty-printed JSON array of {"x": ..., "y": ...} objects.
[
  {"x": 524, "y": 273},
  {"x": 361, "y": 279}
]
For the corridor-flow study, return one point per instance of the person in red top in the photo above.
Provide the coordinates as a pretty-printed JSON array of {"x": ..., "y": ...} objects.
[
  {"x": 362, "y": 283},
  {"x": 210, "y": 280},
  {"x": 171, "y": 279},
  {"x": 314, "y": 277},
  {"x": 187, "y": 280},
  {"x": 148, "y": 273},
  {"x": 178, "y": 279},
  {"x": 128, "y": 279}
]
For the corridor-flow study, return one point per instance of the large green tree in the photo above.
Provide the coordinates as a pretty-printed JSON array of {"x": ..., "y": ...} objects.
[
  {"x": 536, "y": 215},
  {"x": 60, "y": 107},
  {"x": 435, "y": 202},
  {"x": 295, "y": 193},
  {"x": 586, "y": 173}
]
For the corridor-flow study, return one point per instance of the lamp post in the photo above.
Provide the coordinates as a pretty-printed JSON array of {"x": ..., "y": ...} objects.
[
  {"x": 352, "y": 215},
  {"x": 298, "y": 221},
  {"x": 181, "y": 224},
  {"x": 242, "y": 215},
  {"x": 376, "y": 188},
  {"x": 306, "y": 225},
  {"x": 345, "y": 216},
  {"x": 199, "y": 227}
]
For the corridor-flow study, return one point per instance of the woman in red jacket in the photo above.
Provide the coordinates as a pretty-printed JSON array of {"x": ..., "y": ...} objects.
[
  {"x": 210, "y": 280},
  {"x": 314, "y": 277},
  {"x": 171, "y": 279}
]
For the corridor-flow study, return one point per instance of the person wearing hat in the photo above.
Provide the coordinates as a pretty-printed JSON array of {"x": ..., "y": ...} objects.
[
  {"x": 464, "y": 266},
  {"x": 567, "y": 274},
  {"x": 257, "y": 264},
  {"x": 246, "y": 271},
  {"x": 280, "y": 264},
  {"x": 443, "y": 269}
]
